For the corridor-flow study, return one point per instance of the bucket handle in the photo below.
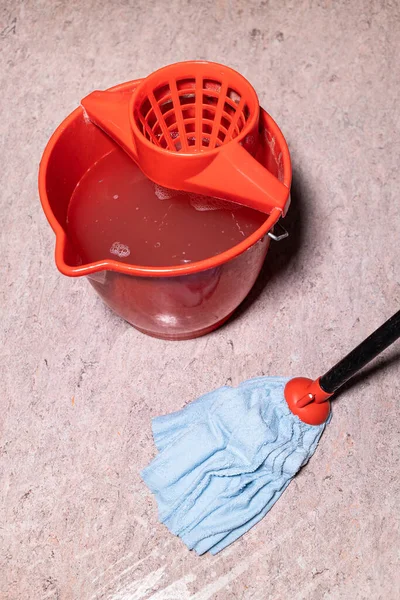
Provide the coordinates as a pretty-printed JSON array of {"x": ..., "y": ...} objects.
[{"x": 277, "y": 237}]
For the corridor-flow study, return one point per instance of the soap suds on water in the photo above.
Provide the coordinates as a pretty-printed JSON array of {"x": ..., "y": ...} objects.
[
  {"x": 202, "y": 203},
  {"x": 164, "y": 193},
  {"x": 120, "y": 250},
  {"x": 197, "y": 201}
]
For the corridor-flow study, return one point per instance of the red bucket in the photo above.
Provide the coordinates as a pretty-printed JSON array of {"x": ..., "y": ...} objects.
[{"x": 172, "y": 302}]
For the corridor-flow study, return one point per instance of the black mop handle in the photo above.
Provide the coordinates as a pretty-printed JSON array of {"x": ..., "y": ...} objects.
[{"x": 376, "y": 343}]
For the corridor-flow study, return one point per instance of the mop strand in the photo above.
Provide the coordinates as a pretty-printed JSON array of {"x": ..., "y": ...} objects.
[{"x": 225, "y": 459}]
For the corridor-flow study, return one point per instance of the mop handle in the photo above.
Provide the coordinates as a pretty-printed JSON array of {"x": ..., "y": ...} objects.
[{"x": 376, "y": 343}]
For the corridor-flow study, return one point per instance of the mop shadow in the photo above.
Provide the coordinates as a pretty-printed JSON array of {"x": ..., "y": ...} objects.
[
  {"x": 388, "y": 362},
  {"x": 280, "y": 254}
]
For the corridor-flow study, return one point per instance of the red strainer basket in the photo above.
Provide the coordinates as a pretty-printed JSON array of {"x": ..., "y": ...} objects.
[{"x": 193, "y": 126}]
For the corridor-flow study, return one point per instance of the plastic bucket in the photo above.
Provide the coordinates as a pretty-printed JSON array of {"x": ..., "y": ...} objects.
[{"x": 174, "y": 302}]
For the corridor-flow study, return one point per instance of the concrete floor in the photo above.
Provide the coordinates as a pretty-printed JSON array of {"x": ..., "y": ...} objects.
[{"x": 79, "y": 386}]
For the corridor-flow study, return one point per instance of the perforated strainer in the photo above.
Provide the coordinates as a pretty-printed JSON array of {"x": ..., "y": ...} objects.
[{"x": 193, "y": 126}]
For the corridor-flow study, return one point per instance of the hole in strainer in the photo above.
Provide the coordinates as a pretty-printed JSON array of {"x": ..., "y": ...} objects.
[
  {"x": 145, "y": 107},
  {"x": 187, "y": 99},
  {"x": 212, "y": 84},
  {"x": 161, "y": 92},
  {"x": 210, "y": 100},
  {"x": 186, "y": 84},
  {"x": 234, "y": 95},
  {"x": 166, "y": 106}
]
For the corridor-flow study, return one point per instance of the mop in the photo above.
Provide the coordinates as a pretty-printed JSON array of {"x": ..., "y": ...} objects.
[{"x": 225, "y": 459}]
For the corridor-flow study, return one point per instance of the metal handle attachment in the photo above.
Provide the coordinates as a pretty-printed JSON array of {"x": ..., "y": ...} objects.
[{"x": 280, "y": 235}]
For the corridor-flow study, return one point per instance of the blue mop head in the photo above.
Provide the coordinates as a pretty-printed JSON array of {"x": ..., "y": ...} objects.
[{"x": 224, "y": 460}]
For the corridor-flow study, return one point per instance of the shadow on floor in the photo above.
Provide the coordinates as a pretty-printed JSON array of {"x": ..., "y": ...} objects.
[{"x": 281, "y": 254}]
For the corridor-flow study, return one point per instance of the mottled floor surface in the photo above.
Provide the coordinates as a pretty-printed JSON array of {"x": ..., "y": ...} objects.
[{"x": 79, "y": 385}]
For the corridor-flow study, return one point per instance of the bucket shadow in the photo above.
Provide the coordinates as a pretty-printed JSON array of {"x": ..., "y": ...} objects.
[
  {"x": 280, "y": 254},
  {"x": 390, "y": 363}
]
